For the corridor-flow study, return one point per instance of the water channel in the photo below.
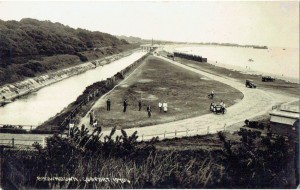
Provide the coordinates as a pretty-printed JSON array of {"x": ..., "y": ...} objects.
[{"x": 39, "y": 106}]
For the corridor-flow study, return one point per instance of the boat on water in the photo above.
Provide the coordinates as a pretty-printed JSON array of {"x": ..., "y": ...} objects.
[{"x": 251, "y": 60}]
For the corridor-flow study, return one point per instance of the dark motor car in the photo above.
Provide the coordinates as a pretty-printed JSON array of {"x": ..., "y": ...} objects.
[
  {"x": 250, "y": 84},
  {"x": 267, "y": 79}
]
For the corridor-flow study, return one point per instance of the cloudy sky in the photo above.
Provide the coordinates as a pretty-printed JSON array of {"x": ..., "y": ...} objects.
[{"x": 261, "y": 23}]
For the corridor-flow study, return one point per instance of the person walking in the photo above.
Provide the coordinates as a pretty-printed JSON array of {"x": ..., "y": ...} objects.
[
  {"x": 91, "y": 117},
  {"x": 160, "y": 106},
  {"x": 124, "y": 105},
  {"x": 140, "y": 105},
  {"x": 165, "y": 106},
  {"x": 149, "y": 110},
  {"x": 108, "y": 104}
]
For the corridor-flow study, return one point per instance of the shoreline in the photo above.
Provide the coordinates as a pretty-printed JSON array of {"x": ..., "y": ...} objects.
[
  {"x": 173, "y": 48},
  {"x": 16, "y": 90},
  {"x": 243, "y": 70}
]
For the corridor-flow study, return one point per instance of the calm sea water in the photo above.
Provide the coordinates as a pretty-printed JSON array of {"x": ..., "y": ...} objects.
[
  {"x": 50, "y": 100},
  {"x": 275, "y": 62}
]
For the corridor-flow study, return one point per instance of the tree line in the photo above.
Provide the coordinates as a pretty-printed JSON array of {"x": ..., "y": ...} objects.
[{"x": 30, "y": 38}]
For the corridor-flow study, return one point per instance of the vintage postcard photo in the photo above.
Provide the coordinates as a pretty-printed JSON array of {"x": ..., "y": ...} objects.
[{"x": 149, "y": 94}]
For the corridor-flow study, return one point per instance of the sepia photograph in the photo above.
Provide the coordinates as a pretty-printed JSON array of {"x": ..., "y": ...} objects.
[{"x": 157, "y": 94}]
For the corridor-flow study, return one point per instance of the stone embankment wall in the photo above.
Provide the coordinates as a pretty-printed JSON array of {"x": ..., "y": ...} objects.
[
  {"x": 11, "y": 91},
  {"x": 85, "y": 101}
]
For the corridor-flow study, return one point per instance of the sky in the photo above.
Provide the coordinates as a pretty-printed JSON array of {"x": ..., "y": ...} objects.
[{"x": 271, "y": 23}]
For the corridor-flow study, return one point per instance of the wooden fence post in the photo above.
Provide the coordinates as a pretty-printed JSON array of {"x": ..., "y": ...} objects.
[
  {"x": 175, "y": 133},
  {"x": 43, "y": 144},
  {"x": 13, "y": 142},
  {"x": 143, "y": 137},
  {"x": 207, "y": 129}
]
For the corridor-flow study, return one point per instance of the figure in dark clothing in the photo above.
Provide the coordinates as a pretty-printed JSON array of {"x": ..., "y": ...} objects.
[
  {"x": 149, "y": 110},
  {"x": 91, "y": 117},
  {"x": 125, "y": 105},
  {"x": 108, "y": 104},
  {"x": 140, "y": 105}
]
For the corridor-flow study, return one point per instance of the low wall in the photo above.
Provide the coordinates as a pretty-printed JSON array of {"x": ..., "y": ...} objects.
[
  {"x": 190, "y": 57},
  {"x": 11, "y": 91}
]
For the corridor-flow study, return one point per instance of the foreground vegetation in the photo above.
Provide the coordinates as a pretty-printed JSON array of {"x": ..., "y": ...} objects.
[{"x": 252, "y": 161}]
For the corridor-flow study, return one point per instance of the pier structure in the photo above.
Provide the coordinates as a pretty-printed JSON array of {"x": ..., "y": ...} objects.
[{"x": 148, "y": 47}]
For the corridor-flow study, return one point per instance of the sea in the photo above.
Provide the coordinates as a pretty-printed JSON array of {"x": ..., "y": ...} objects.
[{"x": 277, "y": 62}]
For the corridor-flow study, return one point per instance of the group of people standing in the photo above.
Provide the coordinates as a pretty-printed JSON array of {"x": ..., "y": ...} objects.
[{"x": 162, "y": 107}]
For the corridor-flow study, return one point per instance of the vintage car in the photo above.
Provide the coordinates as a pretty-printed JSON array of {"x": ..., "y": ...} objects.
[
  {"x": 250, "y": 84},
  {"x": 217, "y": 109},
  {"x": 267, "y": 79}
]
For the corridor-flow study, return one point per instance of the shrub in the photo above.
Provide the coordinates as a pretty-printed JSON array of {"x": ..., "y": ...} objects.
[{"x": 256, "y": 162}]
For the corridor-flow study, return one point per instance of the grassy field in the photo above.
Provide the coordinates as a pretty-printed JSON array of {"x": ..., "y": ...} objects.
[{"x": 157, "y": 80}]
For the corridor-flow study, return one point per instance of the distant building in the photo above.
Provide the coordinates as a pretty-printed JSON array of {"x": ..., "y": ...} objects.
[
  {"x": 149, "y": 47},
  {"x": 285, "y": 121}
]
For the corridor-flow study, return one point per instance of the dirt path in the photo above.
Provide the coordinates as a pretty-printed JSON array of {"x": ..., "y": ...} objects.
[{"x": 255, "y": 102}]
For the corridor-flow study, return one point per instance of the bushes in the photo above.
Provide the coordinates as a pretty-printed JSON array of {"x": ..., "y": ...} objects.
[
  {"x": 253, "y": 162},
  {"x": 256, "y": 162},
  {"x": 82, "y": 57},
  {"x": 88, "y": 155},
  {"x": 255, "y": 124},
  {"x": 32, "y": 37},
  {"x": 35, "y": 66}
]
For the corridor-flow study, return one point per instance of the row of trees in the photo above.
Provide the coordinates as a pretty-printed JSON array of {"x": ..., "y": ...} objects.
[{"x": 31, "y": 37}]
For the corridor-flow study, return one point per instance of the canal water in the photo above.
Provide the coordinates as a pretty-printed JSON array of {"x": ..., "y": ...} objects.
[{"x": 39, "y": 106}]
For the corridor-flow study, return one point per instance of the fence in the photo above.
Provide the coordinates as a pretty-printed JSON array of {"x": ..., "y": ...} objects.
[
  {"x": 21, "y": 143},
  {"x": 27, "y": 143},
  {"x": 182, "y": 133}
]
